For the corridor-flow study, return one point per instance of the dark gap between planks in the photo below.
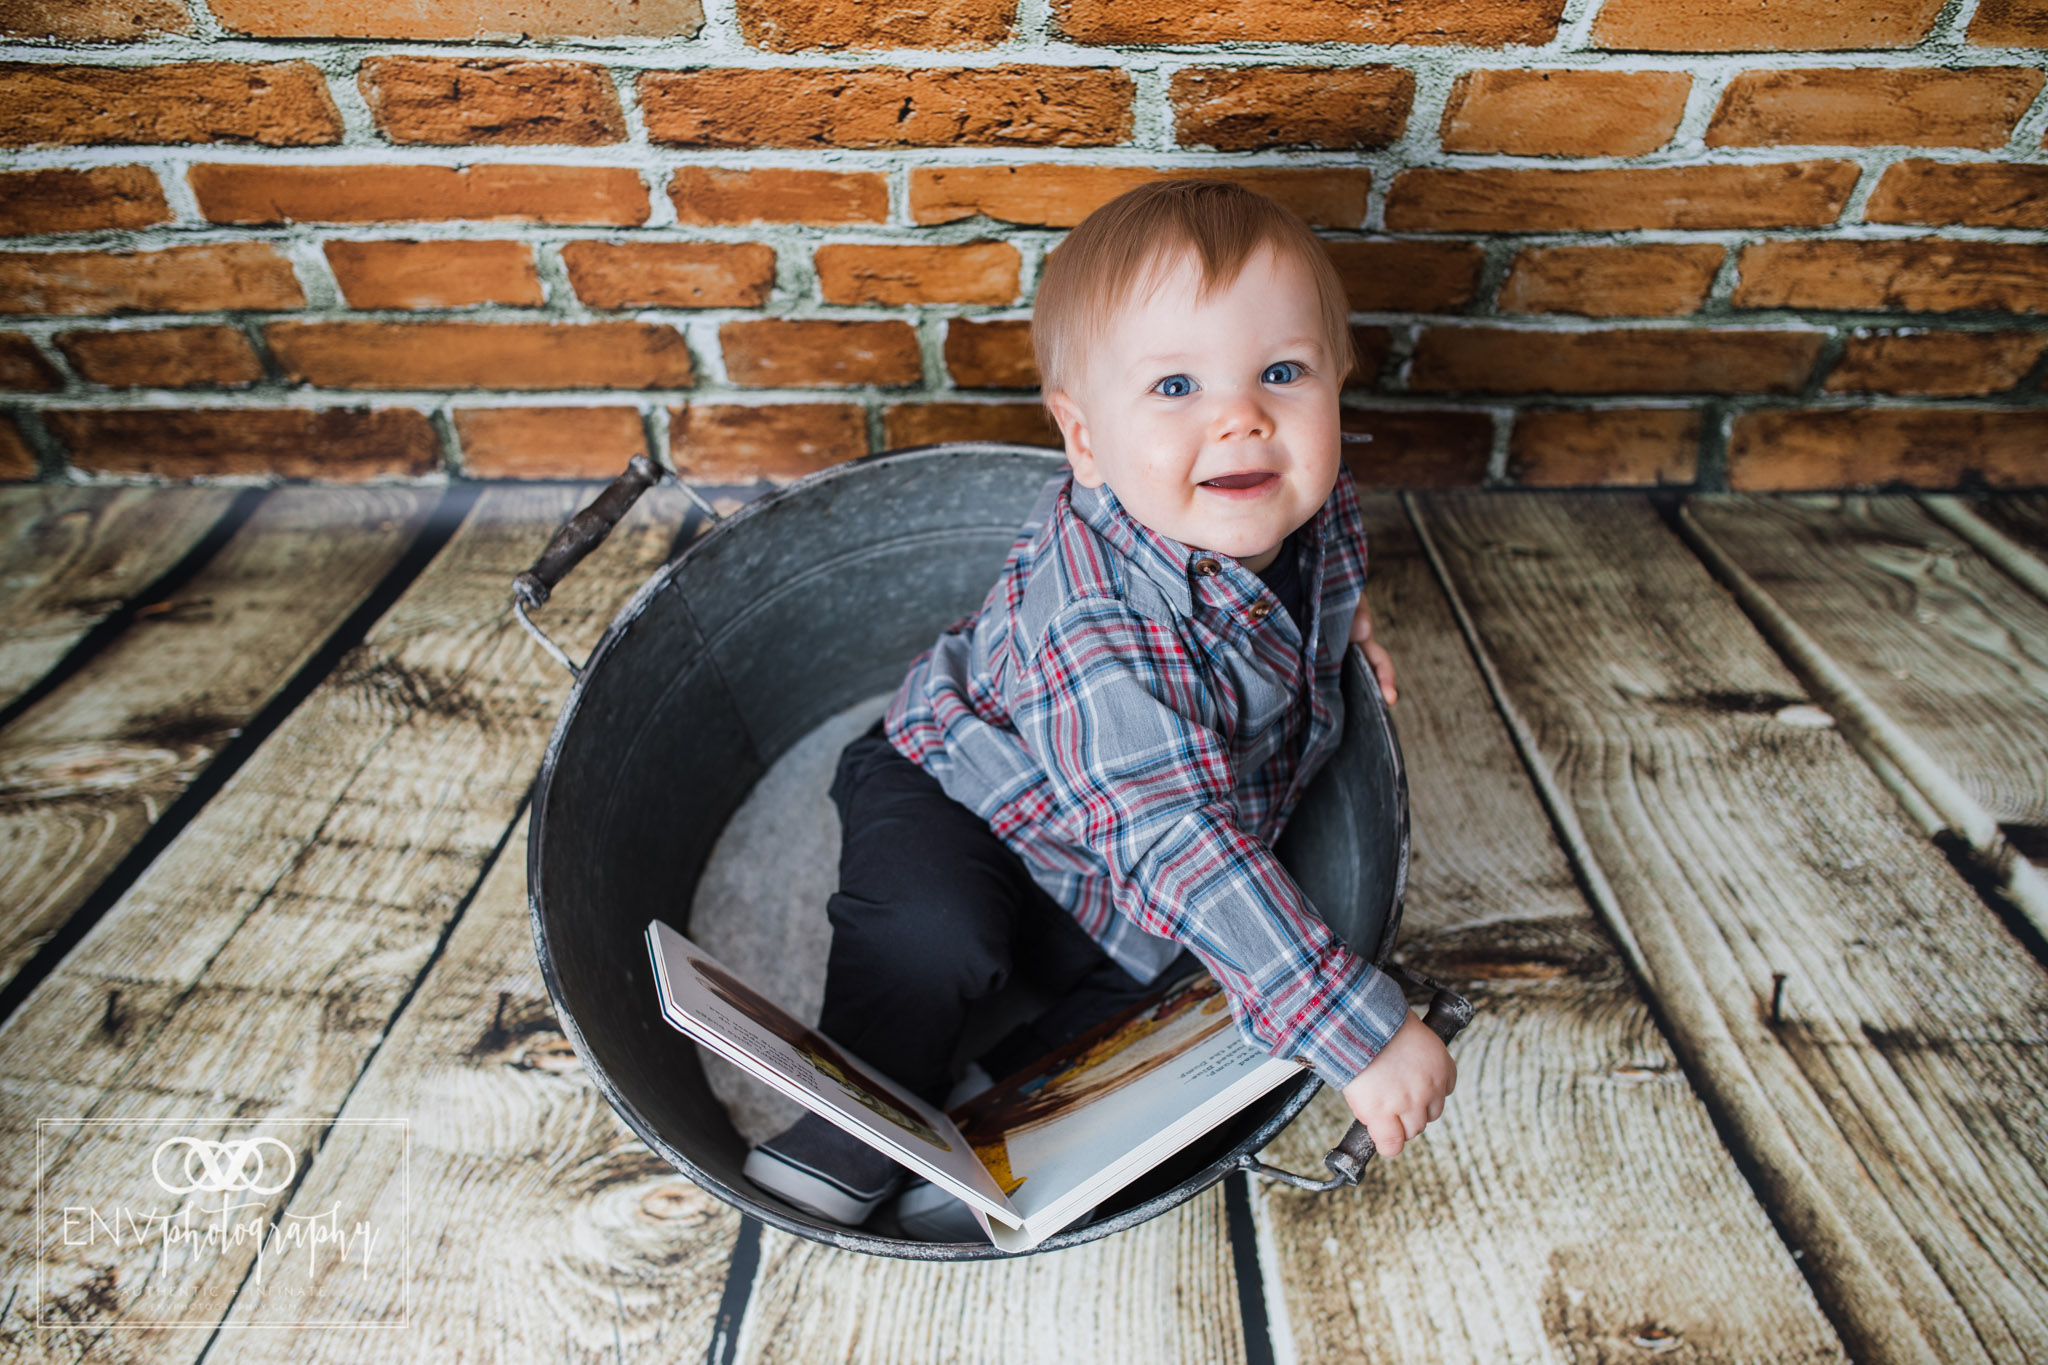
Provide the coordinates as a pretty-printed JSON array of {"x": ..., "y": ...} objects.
[
  {"x": 1579, "y": 858},
  {"x": 439, "y": 524},
  {"x": 168, "y": 583},
  {"x": 291, "y": 1191},
  {"x": 1983, "y": 875}
]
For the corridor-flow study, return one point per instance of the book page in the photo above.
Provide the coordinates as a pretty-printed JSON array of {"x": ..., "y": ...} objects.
[
  {"x": 1084, "y": 1121},
  {"x": 706, "y": 1001}
]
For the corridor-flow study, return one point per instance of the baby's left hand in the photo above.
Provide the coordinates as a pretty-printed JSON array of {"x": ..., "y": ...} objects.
[{"x": 1375, "y": 653}]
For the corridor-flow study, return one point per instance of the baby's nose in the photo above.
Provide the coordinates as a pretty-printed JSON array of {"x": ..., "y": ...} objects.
[{"x": 1242, "y": 415}]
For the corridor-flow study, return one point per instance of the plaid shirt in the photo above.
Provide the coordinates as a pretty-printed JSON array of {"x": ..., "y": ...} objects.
[{"x": 1137, "y": 719}]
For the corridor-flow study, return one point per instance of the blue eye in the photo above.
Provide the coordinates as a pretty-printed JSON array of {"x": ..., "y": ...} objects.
[
  {"x": 1293, "y": 372},
  {"x": 1166, "y": 389}
]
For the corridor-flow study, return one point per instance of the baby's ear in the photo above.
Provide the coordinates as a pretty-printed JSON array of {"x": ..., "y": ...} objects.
[{"x": 1074, "y": 433}]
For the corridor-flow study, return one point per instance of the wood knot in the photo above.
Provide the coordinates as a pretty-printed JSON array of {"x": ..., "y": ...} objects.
[
  {"x": 1655, "y": 1338},
  {"x": 552, "y": 1055},
  {"x": 677, "y": 1201}
]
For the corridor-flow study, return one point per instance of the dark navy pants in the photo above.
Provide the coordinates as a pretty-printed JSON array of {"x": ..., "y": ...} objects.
[{"x": 933, "y": 913}]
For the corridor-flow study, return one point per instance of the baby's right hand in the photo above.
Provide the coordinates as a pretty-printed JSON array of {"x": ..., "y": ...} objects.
[{"x": 1404, "y": 1088}]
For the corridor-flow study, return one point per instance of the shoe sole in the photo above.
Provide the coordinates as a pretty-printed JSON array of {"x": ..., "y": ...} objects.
[{"x": 810, "y": 1189}]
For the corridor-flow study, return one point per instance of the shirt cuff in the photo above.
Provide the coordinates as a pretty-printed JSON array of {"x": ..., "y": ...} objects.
[{"x": 1360, "y": 1023}]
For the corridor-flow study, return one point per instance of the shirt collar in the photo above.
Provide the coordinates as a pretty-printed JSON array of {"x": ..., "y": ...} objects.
[{"x": 1170, "y": 564}]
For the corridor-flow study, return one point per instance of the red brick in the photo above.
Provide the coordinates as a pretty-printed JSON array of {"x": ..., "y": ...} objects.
[
  {"x": 80, "y": 201},
  {"x": 1496, "y": 23},
  {"x": 1372, "y": 345},
  {"x": 1928, "y": 275},
  {"x": 923, "y": 424},
  {"x": 1564, "y": 113},
  {"x": 398, "y": 274},
  {"x": 2010, "y": 23},
  {"x": 1936, "y": 364},
  {"x": 238, "y": 193},
  {"x": 449, "y": 102},
  {"x": 1657, "y": 280},
  {"x": 1041, "y": 195},
  {"x": 811, "y": 107},
  {"x": 773, "y": 194},
  {"x": 1762, "y": 25},
  {"x": 991, "y": 355},
  {"x": 1786, "y": 194},
  {"x": 549, "y": 442},
  {"x": 671, "y": 274},
  {"x": 23, "y": 368},
  {"x": 1935, "y": 447},
  {"x": 1248, "y": 108},
  {"x": 1407, "y": 277},
  {"x": 1604, "y": 446},
  {"x": 809, "y": 25},
  {"x": 738, "y": 443},
  {"x": 1979, "y": 193},
  {"x": 1418, "y": 449},
  {"x": 481, "y": 355},
  {"x": 179, "y": 279},
  {"x": 1921, "y": 107},
  {"x": 93, "y": 21},
  {"x": 1621, "y": 360},
  {"x": 289, "y": 443},
  {"x": 815, "y": 353},
  {"x": 17, "y": 458},
  {"x": 163, "y": 357},
  {"x": 969, "y": 272},
  {"x": 461, "y": 21},
  {"x": 275, "y": 104}
]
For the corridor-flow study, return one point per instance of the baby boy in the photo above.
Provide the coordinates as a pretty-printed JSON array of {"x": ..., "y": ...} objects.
[{"x": 1082, "y": 782}]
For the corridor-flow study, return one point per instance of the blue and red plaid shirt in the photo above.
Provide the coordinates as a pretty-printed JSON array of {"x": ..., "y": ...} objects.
[{"x": 1137, "y": 719}]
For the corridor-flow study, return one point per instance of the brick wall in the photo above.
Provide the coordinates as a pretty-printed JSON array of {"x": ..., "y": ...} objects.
[{"x": 1695, "y": 242}]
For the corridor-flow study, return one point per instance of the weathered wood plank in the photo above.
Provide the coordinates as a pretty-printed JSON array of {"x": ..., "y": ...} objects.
[
  {"x": 69, "y": 557},
  {"x": 1892, "y": 1114},
  {"x": 541, "y": 1227},
  {"x": 2021, "y": 516},
  {"x": 253, "y": 968},
  {"x": 87, "y": 769},
  {"x": 1163, "y": 1291},
  {"x": 1574, "y": 1202},
  {"x": 1941, "y": 641}
]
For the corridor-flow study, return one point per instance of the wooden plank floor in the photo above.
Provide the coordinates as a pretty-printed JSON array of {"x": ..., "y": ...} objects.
[{"x": 1758, "y": 1073}]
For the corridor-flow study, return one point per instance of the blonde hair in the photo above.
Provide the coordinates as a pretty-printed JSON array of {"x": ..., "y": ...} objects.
[{"x": 1118, "y": 247}]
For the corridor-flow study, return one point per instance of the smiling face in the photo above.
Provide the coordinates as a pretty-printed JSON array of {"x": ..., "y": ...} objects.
[{"x": 1214, "y": 421}]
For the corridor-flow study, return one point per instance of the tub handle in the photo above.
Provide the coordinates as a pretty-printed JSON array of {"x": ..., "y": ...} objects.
[
  {"x": 583, "y": 533},
  {"x": 1447, "y": 1015}
]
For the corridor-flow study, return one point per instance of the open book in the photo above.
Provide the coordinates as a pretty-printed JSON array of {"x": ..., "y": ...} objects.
[{"x": 1038, "y": 1149}]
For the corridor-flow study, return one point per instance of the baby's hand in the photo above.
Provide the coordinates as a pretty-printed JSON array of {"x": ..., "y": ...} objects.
[
  {"x": 1375, "y": 653},
  {"x": 1404, "y": 1087}
]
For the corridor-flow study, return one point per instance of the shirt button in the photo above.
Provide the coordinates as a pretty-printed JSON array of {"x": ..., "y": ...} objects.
[
  {"x": 1208, "y": 568},
  {"x": 1259, "y": 611}
]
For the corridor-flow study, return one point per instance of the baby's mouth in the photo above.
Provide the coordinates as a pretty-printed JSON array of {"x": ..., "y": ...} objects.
[{"x": 1235, "y": 481}]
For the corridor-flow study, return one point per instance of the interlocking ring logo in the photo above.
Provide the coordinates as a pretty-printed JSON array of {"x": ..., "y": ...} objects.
[{"x": 220, "y": 1166}]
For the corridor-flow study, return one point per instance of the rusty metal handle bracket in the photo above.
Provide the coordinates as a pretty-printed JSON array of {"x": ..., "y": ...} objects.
[
  {"x": 1447, "y": 1015},
  {"x": 583, "y": 533}
]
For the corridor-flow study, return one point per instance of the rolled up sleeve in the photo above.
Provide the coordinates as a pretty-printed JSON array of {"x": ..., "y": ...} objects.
[{"x": 1115, "y": 711}]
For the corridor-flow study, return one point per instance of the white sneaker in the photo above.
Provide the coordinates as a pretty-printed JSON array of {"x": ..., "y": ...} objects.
[
  {"x": 926, "y": 1213},
  {"x": 819, "y": 1168}
]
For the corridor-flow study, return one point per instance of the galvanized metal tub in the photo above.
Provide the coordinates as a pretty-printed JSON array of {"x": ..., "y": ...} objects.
[{"x": 776, "y": 619}]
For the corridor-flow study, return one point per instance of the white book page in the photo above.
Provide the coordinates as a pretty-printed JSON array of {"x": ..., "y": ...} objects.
[
  {"x": 1071, "y": 1131},
  {"x": 706, "y": 1001}
]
